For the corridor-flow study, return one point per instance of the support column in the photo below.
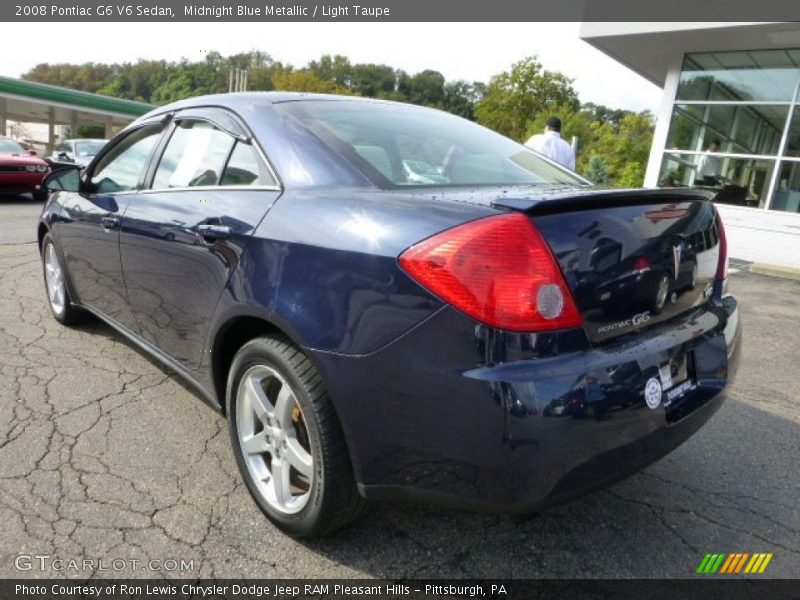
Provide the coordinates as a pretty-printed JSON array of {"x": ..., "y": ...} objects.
[
  {"x": 662, "y": 121},
  {"x": 3, "y": 123},
  {"x": 109, "y": 133},
  {"x": 73, "y": 124},
  {"x": 51, "y": 130}
]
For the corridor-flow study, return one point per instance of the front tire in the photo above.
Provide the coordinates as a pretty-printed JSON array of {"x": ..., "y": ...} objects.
[
  {"x": 58, "y": 298},
  {"x": 287, "y": 440}
]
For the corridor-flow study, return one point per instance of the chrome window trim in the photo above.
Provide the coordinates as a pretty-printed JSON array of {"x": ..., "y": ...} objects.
[{"x": 211, "y": 188}]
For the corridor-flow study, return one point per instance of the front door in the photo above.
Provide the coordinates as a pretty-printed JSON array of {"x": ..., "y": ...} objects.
[
  {"x": 89, "y": 230},
  {"x": 182, "y": 239}
]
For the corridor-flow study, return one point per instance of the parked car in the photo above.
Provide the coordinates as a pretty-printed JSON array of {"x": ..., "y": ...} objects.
[
  {"x": 21, "y": 171},
  {"x": 370, "y": 336},
  {"x": 79, "y": 152}
]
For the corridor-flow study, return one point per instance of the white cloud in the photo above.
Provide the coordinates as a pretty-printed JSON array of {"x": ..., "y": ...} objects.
[{"x": 471, "y": 51}]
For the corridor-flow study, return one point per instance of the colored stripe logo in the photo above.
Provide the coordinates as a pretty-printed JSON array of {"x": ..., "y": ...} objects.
[{"x": 735, "y": 563}]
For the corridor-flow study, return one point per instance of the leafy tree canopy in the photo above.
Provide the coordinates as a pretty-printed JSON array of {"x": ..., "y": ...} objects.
[{"x": 612, "y": 144}]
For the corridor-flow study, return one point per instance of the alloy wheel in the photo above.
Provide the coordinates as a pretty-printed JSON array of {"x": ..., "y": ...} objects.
[
  {"x": 274, "y": 439},
  {"x": 54, "y": 278}
]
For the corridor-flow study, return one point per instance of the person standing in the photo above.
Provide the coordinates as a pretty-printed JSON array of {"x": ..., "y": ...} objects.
[
  {"x": 551, "y": 145},
  {"x": 709, "y": 167}
]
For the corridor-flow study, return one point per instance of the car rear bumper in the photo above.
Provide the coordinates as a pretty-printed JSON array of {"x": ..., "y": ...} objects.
[{"x": 465, "y": 416}]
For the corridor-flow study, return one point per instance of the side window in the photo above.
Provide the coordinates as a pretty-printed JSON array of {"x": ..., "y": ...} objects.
[
  {"x": 245, "y": 167},
  {"x": 195, "y": 156},
  {"x": 122, "y": 167}
]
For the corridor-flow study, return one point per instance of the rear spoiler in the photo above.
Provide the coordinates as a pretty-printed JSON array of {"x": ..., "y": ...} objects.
[{"x": 576, "y": 199}]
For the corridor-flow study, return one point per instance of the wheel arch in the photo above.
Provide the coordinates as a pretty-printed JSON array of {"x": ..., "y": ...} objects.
[
  {"x": 238, "y": 329},
  {"x": 41, "y": 231}
]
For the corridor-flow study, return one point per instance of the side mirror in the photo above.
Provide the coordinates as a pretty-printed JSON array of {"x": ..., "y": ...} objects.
[
  {"x": 31, "y": 152},
  {"x": 64, "y": 180}
]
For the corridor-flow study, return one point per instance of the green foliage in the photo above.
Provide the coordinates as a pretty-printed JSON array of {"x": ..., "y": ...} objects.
[
  {"x": 305, "y": 80},
  {"x": 596, "y": 170},
  {"x": 513, "y": 99},
  {"x": 613, "y": 144},
  {"x": 90, "y": 131}
]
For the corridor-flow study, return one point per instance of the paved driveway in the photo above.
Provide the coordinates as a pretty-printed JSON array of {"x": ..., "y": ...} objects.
[{"x": 105, "y": 455}]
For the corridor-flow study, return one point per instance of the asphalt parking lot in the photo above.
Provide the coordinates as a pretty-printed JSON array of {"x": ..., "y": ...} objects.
[{"x": 105, "y": 455}]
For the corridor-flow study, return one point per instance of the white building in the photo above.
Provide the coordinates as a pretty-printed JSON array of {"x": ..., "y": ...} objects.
[{"x": 729, "y": 121}]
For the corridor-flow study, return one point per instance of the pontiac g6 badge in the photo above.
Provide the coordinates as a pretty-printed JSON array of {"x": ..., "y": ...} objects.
[{"x": 652, "y": 392}]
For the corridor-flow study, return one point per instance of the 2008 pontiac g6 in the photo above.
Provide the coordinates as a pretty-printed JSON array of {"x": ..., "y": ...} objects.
[{"x": 390, "y": 302}]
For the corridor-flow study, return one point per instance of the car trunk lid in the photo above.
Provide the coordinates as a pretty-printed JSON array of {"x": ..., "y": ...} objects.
[{"x": 632, "y": 258}]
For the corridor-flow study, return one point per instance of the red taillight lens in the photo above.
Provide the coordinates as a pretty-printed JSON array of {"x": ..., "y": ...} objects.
[
  {"x": 641, "y": 265},
  {"x": 499, "y": 271},
  {"x": 722, "y": 265}
]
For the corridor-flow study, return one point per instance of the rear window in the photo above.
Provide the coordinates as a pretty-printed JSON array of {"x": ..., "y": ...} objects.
[{"x": 397, "y": 145}]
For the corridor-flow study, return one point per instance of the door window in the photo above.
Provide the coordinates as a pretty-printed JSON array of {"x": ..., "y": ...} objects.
[
  {"x": 121, "y": 169},
  {"x": 245, "y": 167},
  {"x": 195, "y": 156}
]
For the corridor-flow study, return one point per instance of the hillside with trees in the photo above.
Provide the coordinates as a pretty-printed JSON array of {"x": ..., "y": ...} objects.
[{"x": 613, "y": 144}]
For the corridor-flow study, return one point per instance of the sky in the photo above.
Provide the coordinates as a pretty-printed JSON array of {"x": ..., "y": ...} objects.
[{"x": 470, "y": 51}]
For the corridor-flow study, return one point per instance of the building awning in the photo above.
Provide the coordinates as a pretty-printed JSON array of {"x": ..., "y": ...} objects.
[
  {"x": 32, "y": 102},
  {"x": 650, "y": 49}
]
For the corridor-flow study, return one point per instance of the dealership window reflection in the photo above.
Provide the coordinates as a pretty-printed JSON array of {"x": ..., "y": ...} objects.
[
  {"x": 742, "y": 181},
  {"x": 735, "y": 118}
]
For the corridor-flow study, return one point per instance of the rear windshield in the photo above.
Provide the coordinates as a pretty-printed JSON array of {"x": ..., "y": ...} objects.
[{"x": 397, "y": 145}]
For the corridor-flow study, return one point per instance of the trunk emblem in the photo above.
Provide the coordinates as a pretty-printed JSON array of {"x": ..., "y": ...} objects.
[{"x": 652, "y": 392}]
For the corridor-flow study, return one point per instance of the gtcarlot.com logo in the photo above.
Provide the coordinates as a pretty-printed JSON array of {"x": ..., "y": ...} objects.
[
  {"x": 734, "y": 564},
  {"x": 45, "y": 562}
]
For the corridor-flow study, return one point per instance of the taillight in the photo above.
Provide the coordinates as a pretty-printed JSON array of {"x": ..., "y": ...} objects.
[
  {"x": 499, "y": 271},
  {"x": 641, "y": 265},
  {"x": 722, "y": 265}
]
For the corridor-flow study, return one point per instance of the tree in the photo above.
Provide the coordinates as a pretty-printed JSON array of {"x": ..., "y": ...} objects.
[
  {"x": 513, "y": 99},
  {"x": 596, "y": 170},
  {"x": 305, "y": 80}
]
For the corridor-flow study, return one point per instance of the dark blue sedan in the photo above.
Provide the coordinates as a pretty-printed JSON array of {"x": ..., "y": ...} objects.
[{"x": 390, "y": 302}]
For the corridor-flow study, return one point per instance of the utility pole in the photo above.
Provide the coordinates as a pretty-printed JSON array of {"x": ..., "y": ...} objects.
[{"x": 237, "y": 79}]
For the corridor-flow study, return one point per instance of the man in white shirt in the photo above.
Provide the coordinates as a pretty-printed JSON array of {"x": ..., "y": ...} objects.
[
  {"x": 551, "y": 145},
  {"x": 709, "y": 168}
]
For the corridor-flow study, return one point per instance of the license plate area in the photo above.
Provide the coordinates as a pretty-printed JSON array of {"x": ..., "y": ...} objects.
[{"x": 677, "y": 377}]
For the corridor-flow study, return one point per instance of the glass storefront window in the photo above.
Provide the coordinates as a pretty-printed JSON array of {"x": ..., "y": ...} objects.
[
  {"x": 737, "y": 129},
  {"x": 793, "y": 138},
  {"x": 787, "y": 190},
  {"x": 767, "y": 75},
  {"x": 741, "y": 181}
]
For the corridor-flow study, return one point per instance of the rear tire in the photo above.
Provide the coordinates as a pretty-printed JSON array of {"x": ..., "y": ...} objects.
[
  {"x": 55, "y": 284},
  {"x": 661, "y": 295},
  {"x": 287, "y": 440}
]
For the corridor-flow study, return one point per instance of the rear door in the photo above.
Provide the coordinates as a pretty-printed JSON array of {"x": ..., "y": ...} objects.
[{"x": 182, "y": 238}]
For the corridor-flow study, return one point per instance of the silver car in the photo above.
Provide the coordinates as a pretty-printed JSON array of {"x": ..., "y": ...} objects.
[{"x": 80, "y": 151}]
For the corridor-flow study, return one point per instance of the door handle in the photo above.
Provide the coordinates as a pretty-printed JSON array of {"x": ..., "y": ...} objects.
[
  {"x": 213, "y": 231},
  {"x": 109, "y": 223}
]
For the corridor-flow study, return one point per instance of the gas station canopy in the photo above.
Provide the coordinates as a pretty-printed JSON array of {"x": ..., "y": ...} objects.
[{"x": 31, "y": 102}]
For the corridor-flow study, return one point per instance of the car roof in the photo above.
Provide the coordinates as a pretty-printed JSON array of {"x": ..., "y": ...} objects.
[{"x": 240, "y": 102}]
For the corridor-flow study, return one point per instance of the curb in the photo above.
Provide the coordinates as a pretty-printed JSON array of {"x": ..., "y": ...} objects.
[{"x": 775, "y": 271}]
